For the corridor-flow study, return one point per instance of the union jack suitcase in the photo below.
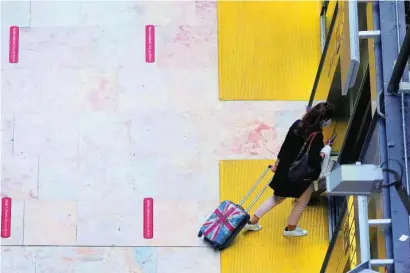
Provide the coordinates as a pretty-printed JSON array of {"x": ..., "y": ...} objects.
[{"x": 225, "y": 223}]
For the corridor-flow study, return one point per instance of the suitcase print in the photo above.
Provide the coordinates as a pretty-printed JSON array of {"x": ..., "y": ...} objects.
[
  {"x": 225, "y": 220},
  {"x": 225, "y": 223}
]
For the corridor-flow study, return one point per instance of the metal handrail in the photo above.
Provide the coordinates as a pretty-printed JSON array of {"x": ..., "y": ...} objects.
[
  {"x": 324, "y": 7},
  {"x": 332, "y": 243},
  {"x": 323, "y": 57}
]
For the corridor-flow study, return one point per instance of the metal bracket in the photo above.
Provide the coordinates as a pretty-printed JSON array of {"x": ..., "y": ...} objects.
[
  {"x": 369, "y": 34},
  {"x": 404, "y": 87},
  {"x": 381, "y": 262},
  {"x": 322, "y": 31},
  {"x": 379, "y": 222},
  {"x": 378, "y": 108},
  {"x": 362, "y": 268}
]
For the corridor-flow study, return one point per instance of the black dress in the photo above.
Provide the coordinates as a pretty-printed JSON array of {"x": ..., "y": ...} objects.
[{"x": 290, "y": 149}]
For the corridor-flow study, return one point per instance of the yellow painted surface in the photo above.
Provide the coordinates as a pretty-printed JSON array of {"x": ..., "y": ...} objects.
[
  {"x": 341, "y": 130},
  {"x": 329, "y": 130},
  {"x": 268, "y": 250},
  {"x": 352, "y": 233},
  {"x": 329, "y": 13},
  {"x": 344, "y": 254},
  {"x": 372, "y": 64},
  {"x": 333, "y": 53},
  {"x": 268, "y": 50}
]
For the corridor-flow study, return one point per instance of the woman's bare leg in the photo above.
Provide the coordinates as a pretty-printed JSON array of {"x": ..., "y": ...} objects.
[
  {"x": 297, "y": 212},
  {"x": 266, "y": 206},
  {"x": 254, "y": 219}
]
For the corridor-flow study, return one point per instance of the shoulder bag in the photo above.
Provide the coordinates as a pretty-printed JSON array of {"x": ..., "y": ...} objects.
[{"x": 300, "y": 168}]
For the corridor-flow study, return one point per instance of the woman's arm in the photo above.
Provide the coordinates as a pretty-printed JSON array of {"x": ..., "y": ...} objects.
[{"x": 315, "y": 158}]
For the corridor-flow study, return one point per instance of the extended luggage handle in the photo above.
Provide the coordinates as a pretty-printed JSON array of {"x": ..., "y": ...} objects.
[{"x": 254, "y": 187}]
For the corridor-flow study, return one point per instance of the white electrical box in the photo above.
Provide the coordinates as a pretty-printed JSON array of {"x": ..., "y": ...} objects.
[{"x": 354, "y": 179}]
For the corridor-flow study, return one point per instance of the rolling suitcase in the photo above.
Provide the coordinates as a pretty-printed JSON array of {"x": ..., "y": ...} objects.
[{"x": 225, "y": 223}]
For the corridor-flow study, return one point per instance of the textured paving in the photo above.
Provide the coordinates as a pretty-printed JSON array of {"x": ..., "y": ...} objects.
[
  {"x": 267, "y": 250},
  {"x": 268, "y": 50}
]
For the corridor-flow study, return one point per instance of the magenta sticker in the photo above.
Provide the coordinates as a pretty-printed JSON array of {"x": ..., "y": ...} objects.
[
  {"x": 5, "y": 217},
  {"x": 150, "y": 43},
  {"x": 148, "y": 218},
  {"x": 14, "y": 44}
]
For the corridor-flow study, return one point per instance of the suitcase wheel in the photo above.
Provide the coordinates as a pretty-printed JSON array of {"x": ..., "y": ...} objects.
[
  {"x": 216, "y": 246},
  {"x": 200, "y": 234}
]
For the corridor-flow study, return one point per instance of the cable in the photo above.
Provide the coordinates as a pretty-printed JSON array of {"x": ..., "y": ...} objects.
[
  {"x": 400, "y": 188},
  {"x": 397, "y": 177}
]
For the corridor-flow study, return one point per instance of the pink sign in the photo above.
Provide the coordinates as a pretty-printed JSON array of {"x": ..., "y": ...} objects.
[
  {"x": 5, "y": 217},
  {"x": 150, "y": 43},
  {"x": 14, "y": 44},
  {"x": 148, "y": 218}
]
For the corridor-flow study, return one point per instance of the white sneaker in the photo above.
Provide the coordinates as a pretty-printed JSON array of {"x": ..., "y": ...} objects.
[
  {"x": 297, "y": 232},
  {"x": 253, "y": 227}
]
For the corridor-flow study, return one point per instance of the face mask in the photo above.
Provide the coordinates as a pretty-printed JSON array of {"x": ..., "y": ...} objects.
[{"x": 326, "y": 123}]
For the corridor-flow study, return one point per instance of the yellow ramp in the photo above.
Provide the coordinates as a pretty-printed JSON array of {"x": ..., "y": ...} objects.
[
  {"x": 267, "y": 251},
  {"x": 268, "y": 50}
]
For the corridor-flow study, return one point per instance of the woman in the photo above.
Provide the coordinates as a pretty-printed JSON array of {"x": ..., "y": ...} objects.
[{"x": 313, "y": 121}]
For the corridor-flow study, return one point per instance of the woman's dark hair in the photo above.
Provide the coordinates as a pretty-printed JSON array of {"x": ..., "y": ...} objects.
[{"x": 314, "y": 118}]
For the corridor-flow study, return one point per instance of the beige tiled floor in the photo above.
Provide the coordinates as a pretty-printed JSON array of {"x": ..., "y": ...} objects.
[{"x": 97, "y": 130}]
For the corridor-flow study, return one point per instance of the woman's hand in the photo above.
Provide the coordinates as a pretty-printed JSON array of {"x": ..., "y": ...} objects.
[{"x": 273, "y": 168}]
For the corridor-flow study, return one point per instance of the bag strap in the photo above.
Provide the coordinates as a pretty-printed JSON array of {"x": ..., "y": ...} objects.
[
  {"x": 312, "y": 137},
  {"x": 308, "y": 143}
]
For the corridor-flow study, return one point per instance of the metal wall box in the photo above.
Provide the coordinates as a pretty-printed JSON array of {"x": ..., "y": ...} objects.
[{"x": 354, "y": 180}]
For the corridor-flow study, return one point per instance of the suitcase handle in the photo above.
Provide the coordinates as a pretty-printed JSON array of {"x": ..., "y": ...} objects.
[{"x": 253, "y": 188}]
